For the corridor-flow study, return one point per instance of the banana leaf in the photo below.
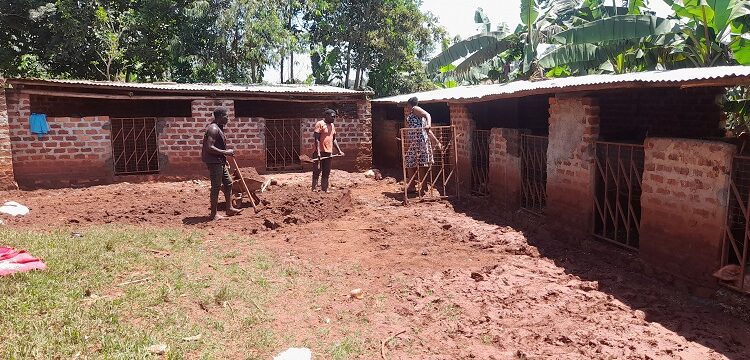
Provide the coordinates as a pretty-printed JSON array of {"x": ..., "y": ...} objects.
[
  {"x": 486, "y": 54},
  {"x": 529, "y": 12},
  {"x": 463, "y": 48},
  {"x": 622, "y": 27}
]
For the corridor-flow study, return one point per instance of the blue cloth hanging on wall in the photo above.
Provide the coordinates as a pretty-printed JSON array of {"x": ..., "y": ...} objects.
[{"x": 38, "y": 124}]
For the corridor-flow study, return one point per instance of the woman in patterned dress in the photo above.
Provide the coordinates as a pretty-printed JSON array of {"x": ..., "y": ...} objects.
[
  {"x": 419, "y": 151},
  {"x": 419, "y": 155}
]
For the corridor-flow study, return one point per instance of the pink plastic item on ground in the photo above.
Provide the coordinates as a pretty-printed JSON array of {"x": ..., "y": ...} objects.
[{"x": 13, "y": 261}]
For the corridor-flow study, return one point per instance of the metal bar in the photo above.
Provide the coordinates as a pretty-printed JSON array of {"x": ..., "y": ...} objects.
[
  {"x": 403, "y": 161},
  {"x": 534, "y": 172},
  {"x": 134, "y": 145},
  {"x": 738, "y": 220},
  {"x": 617, "y": 212},
  {"x": 615, "y": 242},
  {"x": 743, "y": 259},
  {"x": 455, "y": 160}
]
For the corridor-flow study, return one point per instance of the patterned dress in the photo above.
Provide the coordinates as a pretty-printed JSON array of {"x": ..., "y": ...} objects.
[{"x": 418, "y": 148}]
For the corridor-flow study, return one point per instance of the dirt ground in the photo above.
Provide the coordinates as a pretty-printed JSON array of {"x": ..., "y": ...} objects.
[{"x": 441, "y": 280}]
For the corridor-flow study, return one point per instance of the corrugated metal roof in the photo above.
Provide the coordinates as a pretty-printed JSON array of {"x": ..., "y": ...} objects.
[
  {"x": 680, "y": 77},
  {"x": 240, "y": 88}
]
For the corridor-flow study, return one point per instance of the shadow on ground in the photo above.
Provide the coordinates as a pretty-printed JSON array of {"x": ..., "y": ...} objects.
[{"x": 720, "y": 322}]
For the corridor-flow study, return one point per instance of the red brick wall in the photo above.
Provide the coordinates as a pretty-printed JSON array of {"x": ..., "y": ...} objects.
[
  {"x": 464, "y": 127},
  {"x": 7, "y": 179},
  {"x": 293, "y": 110},
  {"x": 180, "y": 139},
  {"x": 360, "y": 134},
  {"x": 684, "y": 210},
  {"x": 574, "y": 127},
  {"x": 387, "y": 120},
  {"x": 530, "y": 112},
  {"x": 387, "y": 151},
  {"x": 248, "y": 137},
  {"x": 505, "y": 167},
  {"x": 76, "y": 151},
  {"x": 353, "y": 133},
  {"x": 58, "y": 106},
  {"x": 684, "y": 113}
]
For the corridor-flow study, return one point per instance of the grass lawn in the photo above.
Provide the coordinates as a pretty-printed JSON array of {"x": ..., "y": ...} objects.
[{"x": 105, "y": 296}]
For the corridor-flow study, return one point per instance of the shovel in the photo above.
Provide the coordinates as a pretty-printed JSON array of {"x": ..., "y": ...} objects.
[{"x": 307, "y": 159}]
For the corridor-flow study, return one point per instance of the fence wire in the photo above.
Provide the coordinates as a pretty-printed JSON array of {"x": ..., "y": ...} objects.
[
  {"x": 617, "y": 202},
  {"x": 283, "y": 144},
  {"x": 480, "y": 163},
  {"x": 737, "y": 237},
  {"x": 429, "y": 162},
  {"x": 534, "y": 173},
  {"x": 135, "y": 146}
]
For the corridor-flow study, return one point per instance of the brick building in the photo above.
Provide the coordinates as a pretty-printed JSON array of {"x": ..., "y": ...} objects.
[
  {"x": 639, "y": 160},
  {"x": 103, "y": 132}
]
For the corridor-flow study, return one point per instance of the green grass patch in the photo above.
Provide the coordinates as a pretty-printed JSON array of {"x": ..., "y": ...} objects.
[
  {"x": 105, "y": 296},
  {"x": 347, "y": 348}
]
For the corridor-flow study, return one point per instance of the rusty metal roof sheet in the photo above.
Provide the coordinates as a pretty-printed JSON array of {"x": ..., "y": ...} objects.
[
  {"x": 714, "y": 76},
  {"x": 296, "y": 89}
]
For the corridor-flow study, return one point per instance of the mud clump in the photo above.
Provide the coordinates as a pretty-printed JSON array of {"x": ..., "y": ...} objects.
[{"x": 298, "y": 205}]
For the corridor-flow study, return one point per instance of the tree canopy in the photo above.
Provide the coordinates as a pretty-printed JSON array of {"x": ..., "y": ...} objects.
[{"x": 352, "y": 43}]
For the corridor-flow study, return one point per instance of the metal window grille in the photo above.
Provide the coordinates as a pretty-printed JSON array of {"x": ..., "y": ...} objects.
[
  {"x": 737, "y": 237},
  {"x": 283, "y": 144},
  {"x": 617, "y": 201},
  {"x": 430, "y": 170},
  {"x": 135, "y": 145},
  {"x": 480, "y": 163},
  {"x": 533, "y": 172}
]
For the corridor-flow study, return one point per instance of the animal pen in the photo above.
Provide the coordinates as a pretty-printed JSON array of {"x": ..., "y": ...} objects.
[
  {"x": 617, "y": 197},
  {"x": 533, "y": 173},
  {"x": 735, "y": 249},
  {"x": 283, "y": 145},
  {"x": 434, "y": 174},
  {"x": 105, "y": 132},
  {"x": 638, "y": 160},
  {"x": 480, "y": 163}
]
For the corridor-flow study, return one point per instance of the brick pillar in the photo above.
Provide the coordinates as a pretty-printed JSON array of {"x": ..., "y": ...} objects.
[
  {"x": 464, "y": 127},
  {"x": 573, "y": 130},
  {"x": 204, "y": 109},
  {"x": 505, "y": 168},
  {"x": 203, "y": 114},
  {"x": 683, "y": 206},
  {"x": 363, "y": 160},
  {"x": 7, "y": 180}
]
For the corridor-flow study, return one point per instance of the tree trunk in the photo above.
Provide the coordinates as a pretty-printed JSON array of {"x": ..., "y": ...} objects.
[
  {"x": 281, "y": 68},
  {"x": 356, "y": 79},
  {"x": 348, "y": 65},
  {"x": 291, "y": 67},
  {"x": 291, "y": 50}
]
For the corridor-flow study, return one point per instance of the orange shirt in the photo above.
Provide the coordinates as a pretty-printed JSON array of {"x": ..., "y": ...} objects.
[{"x": 326, "y": 131}]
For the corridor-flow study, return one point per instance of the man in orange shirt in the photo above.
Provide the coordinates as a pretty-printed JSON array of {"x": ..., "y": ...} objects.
[{"x": 325, "y": 140}]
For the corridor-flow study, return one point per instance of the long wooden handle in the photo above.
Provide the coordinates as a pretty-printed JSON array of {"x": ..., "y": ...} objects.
[{"x": 326, "y": 157}]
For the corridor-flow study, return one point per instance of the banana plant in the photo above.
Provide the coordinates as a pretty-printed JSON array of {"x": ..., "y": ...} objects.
[
  {"x": 539, "y": 20},
  {"x": 713, "y": 30},
  {"x": 479, "y": 48},
  {"x": 613, "y": 40}
]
